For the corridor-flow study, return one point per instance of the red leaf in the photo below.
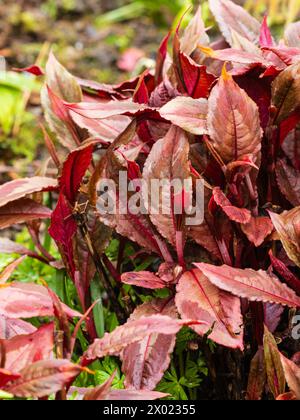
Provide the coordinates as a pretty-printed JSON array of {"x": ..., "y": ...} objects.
[
  {"x": 265, "y": 38},
  {"x": 74, "y": 169},
  {"x": 6, "y": 377},
  {"x": 23, "y": 350},
  {"x": 143, "y": 279},
  {"x": 231, "y": 16},
  {"x": 250, "y": 284},
  {"x": 28, "y": 300},
  {"x": 145, "y": 362},
  {"x": 258, "y": 229},
  {"x": 234, "y": 213},
  {"x": 10, "y": 328},
  {"x": 19, "y": 188},
  {"x": 187, "y": 113},
  {"x": 43, "y": 378},
  {"x": 131, "y": 332},
  {"x": 22, "y": 210},
  {"x": 62, "y": 230},
  {"x": 34, "y": 69},
  {"x": 199, "y": 299},
  {"x": 233, "y": 121}
]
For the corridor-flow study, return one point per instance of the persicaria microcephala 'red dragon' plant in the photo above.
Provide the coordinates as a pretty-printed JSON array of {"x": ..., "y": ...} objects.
[{"x": 223, "y": 115}]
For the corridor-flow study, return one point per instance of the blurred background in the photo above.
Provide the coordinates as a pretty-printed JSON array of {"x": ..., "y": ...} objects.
[{"x": 103, "y": 40}]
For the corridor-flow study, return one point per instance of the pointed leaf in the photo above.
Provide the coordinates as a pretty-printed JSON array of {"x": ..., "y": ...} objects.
[
  {"x": 22, "y": 350},
  {"x": 187, "y": 113},
  {"x": 292, "y": 375},
  {"x": 250, "y": 284},
  {"x": 22, "y": 211},
  {"x": 19, "y": 188},
  {"x": 9, "y": 269},
  {"x": 234, "y": 213},
  {"x": 28, "y": 300},
  {"x": 131, "y": 332},
  {"x": 145, "y": 362},
  {"x": 285, "y": 93},
  {"x": 143, "y": 279},
  {"x": 43, "y": 378},
  {"x": 275, "y": 373},
  {"x": 168, "y": 160},
  {"x": 231, "y": 16},
  {"x": 10, "y": 328},
  {"x": 233, "y": 121},
  {"x": 194, "y": 34},
  {"x": 287, "y": 227},
  {"x": 197, "y": 298},
  {"x": 258, "y": 229}
]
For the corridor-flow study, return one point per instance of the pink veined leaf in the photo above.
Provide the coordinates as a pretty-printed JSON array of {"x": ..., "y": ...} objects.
[
  {"x": 23, "y": 350},
  {"x": 234, "y": 213},
  {"x": 62, "y": 229},
  {"x": 131, "y": 332},
  {"x": 19, "y": 188},
  {"x": 6, "y": 377},
  {"x": 287, "y": 227},
  {"x": 168, "y": 160},
  {"x": 249, "y": 60},
  {"x": 9, "y": 269},
  {"x": 10, "y": 328},
  {"x": 292, "y": 375},
  {"x": 257, "y": 377},
  {"x": 28, "y": 300},
  {"x": 288, "y": 181},
  {"x": 60, "y": 86},
  {"x": 258, "y": 229},
  {"x": 109, "y": 109},
  {"x": 145, "y": 361},
  {"x": 250, "y": 284},
  {"x": 74, "y": 169},
  {"x": 106, "y": 130},
  {"x": 287, "y": 55},
  {"x": 144, "y": 279},
  {"x": 194, "y": 34},
  {"x": 197, "y": 298},
  {"x": 233, "y": 121},
  {"x": 231, "y": 16},
  {"x": 34, "y": 69},
  {"x": 22, "y": 210},
  {"x": 265, "y": 38},
  {"x": 161, "y": 58},
  {"x": 274, "y": 369},
  {"x": 43, "y": 378},
  {"x": 187, "y": 113},
  {"x": 292, "y": 35}
]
